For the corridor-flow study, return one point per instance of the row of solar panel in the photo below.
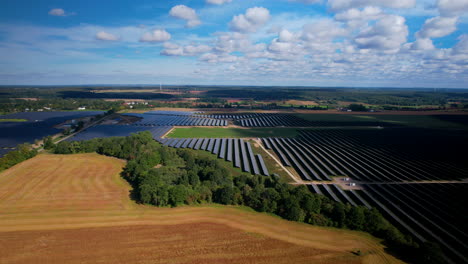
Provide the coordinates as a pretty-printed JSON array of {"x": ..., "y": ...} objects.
[
  {"x": 175, "y": 113},
  {"x": 236, "y": 150},
  {"x": 160, "y": 131},
  {"x": 105, "y": 131},
  {"x": 334, "y": 192},
  {"x": 171, "y": 120},
  {"x": 241, "y": 115},
  {"x": 274, "y": 121}
]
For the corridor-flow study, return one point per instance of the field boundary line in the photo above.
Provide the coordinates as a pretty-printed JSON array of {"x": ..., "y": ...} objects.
[
  {"x": 277, "y": 161},
  {"x": 167, "y": 133}
]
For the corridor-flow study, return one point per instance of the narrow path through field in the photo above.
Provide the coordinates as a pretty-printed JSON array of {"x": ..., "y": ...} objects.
[{"x": 294, "y": 177}]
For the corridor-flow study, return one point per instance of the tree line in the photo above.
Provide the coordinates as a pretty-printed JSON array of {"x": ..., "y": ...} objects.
[
  {"x": 19, "y": 105},
  {"x": 23, "y": 152}
]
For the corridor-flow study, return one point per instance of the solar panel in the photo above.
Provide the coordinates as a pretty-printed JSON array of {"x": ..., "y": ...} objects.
[
  {"x": 186, "y": 143},
  {"x": 245, "y": 160},
  {"x": 216, "y": 146},
  {"x": 179, "y": 144},
  {"x": 174, "y": 142},
  {"x": 230, "y": 149},
  {"x": 205, "y": 144},
  {"x": 211, "y": 145},
  {"x": 199, "y": 143},
  {"x": 192, "y": 143},
  {"x": 237, "y": 159},
  {"x": 262, "y": 165},
  {"x": 222, "y": 151},
  {"x": 253, "y": 162}
]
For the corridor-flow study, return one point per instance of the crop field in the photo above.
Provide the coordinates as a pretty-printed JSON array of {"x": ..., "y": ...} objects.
[
  {"x": 76, "y": 209},
  {"x": 209, "y": 132}
]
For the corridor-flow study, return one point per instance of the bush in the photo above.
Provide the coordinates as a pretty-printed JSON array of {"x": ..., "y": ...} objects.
[{"x": 23, "y": 152}]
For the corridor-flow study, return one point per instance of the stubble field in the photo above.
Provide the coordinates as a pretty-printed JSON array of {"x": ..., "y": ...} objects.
[{"x": 76, "y": 209}]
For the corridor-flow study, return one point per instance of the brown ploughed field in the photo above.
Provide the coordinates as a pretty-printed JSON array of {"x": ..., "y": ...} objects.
[{"x": 76, "y": 209}]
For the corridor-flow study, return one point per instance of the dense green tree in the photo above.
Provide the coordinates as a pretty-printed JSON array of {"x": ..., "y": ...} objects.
[
  {"x": 178, "y": 194},
  {"x": 49, "y": 143},
  {"x": 224, "y": 195},
  {"x": 356, "y": 218},
  {"x": 22, "y": 153},
  {"x": 293, "y": 211},
  {"x": 357, "y": 108},
  {"x": 63, "y": 148},
  {"x": 338, "y": 214}
]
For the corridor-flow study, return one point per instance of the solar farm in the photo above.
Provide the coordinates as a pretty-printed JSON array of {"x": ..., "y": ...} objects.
[
  {"x": 36, "y": 126},
  {"x": 234, "y": 150},
  {"x": 415, "y": 177},
  {"x": 104, "y": 131},
  {"x": 412, "y": 192},
  {"x": 374, "y": 164}
]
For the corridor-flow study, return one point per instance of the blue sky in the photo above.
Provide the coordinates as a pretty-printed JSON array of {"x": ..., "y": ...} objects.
[{"x": 376, "y": 43}]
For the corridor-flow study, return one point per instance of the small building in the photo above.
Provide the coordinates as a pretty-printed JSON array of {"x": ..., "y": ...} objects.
[{"x": 82, "y": 108}]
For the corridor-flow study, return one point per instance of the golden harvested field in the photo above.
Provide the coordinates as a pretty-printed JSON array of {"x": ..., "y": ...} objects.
[{"x": 76, "y": 209}]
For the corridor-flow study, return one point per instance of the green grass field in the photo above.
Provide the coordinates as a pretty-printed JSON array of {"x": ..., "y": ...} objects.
[
  {"x": 13, "y": 120},
  {"x": 216, "y": 132}
]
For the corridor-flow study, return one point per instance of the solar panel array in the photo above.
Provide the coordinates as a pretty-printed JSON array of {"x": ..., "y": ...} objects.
[
  {"x": 264, "y": 120},
  {"x": 177, "y": 113},
  {"x": 156, "y": 119},
  {"x": 398, "y": 187},
  {"x": 234, "y": 150},
  {"x": 36, "y": 126},
  {"x": 289, "y": 120},
  {"x": 274, "y": 120},
  {"x": 105, "y": 131}
]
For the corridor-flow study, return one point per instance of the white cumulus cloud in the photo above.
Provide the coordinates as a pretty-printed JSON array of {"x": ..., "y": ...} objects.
[
  {"x": 324, "y": 30},
  {"x": 185, "y": 13},
  {"x": 462, "y": 46},
  {"x": 102, "y": 35},
  {"x": 218, "y": 2},
  {"x": 286, "y": 36},
  {"x": 253, "y": 19},
  {"x": 368, "y": 12},
  {"x": 437, "y": 27},
  {"x": 307, "y": 1},
  {"x": 387, "y": 34},
  {"x": 192, "y": 50},
  {"x": 57, "y": 12},
  {"x": 171, "y": 49},
  {"x": 422, "y": 44},
  {"x": 157, "y": 35},
  {"x": 452, "y": 7},
  {"x": 346, "y": 4}
]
